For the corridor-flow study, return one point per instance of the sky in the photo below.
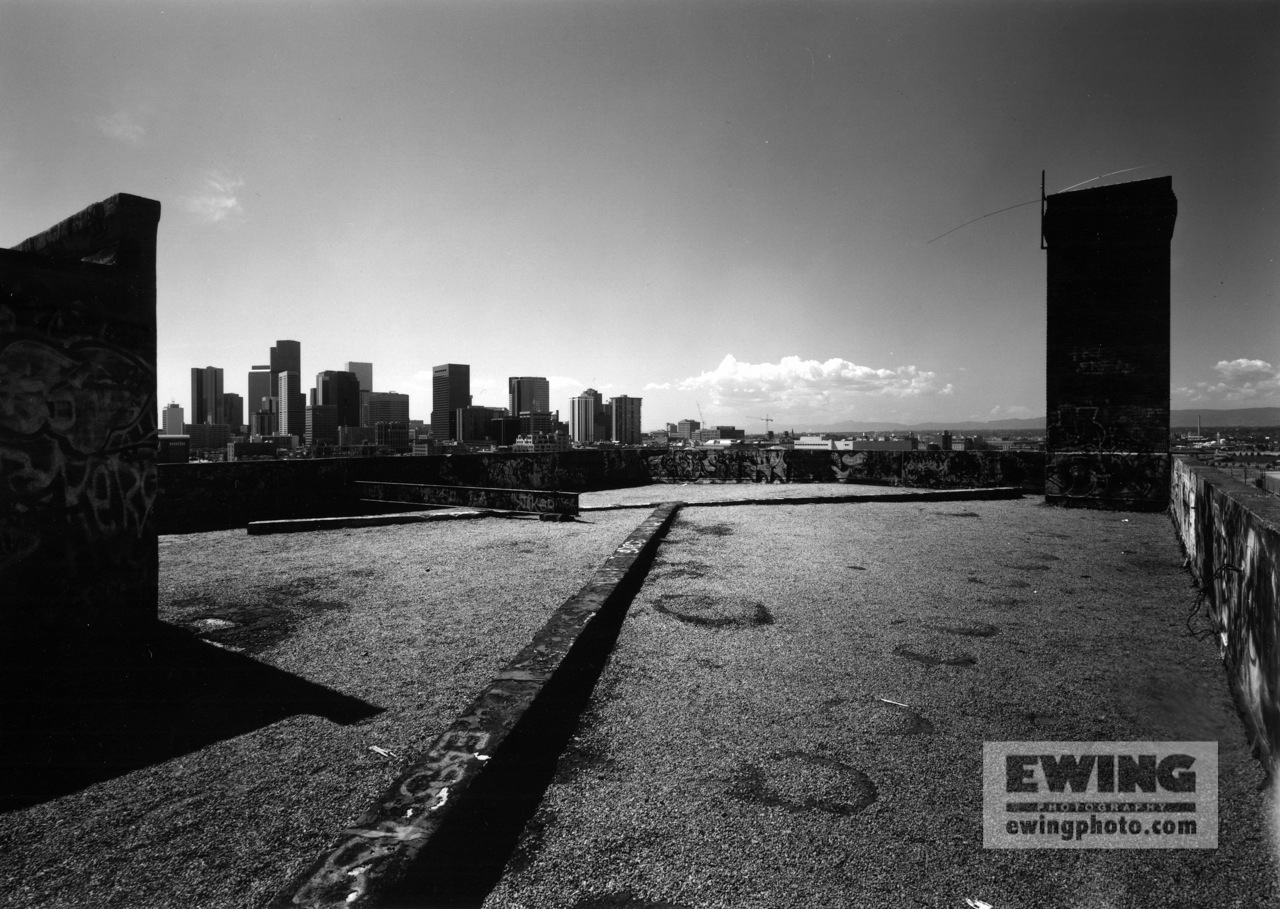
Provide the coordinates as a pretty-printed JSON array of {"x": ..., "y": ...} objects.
[{"x": 733, "y": 210}]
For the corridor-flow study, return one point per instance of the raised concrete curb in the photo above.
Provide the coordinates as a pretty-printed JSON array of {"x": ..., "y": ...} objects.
[
  {"x": 940, "y": 495},
  {"x": 397, "y": 853}
]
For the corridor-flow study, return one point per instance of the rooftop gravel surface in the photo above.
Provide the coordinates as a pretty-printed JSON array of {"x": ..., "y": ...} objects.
[
  {"x": 795, "y": 712},
  {"x": 412, "y": 621}
]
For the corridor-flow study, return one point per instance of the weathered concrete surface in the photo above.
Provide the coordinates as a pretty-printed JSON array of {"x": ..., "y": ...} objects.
[
  {"x": 77, "y": 427},
  {"x": 1107, "y": 360},
  {"x": 240, "y": 773},
  {"x": 400, "y": 838},
  {"x": 1231, "y": 533},
  {"x": 536, "y": 501},
  {"x": 795, "y": 711}
]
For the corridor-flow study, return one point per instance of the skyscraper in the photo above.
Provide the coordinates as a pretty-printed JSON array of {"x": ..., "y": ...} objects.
[
  {"x": 173, "y": 420},
  {"x": 259, "y": 395},
  {"x": 293, "y": 404},
  {"x": 529, "y": 394},
  {"x": 233, "y": 411},
  {"x": 582, "y": 419},
  {"x": 364, "y": 372},
  {"x": 342, "y": 390},
  {"x": 206, "y": 395},
  {"x": 286, "y": 356},
  {"x": 450, "y": 390},
  {"x": 626, "y": 419}
]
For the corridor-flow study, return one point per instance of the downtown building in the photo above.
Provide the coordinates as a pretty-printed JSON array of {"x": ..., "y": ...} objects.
[
  {"x": 206, "y": 395},
  {"x": 626, "y": 419},
  {"x": 450, "y": 392}
]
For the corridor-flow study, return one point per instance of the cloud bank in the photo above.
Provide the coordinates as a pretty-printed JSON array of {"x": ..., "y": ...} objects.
[
  {"x": 802, "y": 386},
  {"x": 1241, "y": 381}
]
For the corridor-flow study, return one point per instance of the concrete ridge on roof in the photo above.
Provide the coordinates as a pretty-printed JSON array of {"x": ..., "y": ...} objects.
[{"x": 403, "y": 838}]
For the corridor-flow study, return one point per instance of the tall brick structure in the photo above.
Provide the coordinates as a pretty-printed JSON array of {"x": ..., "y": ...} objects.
[
  {"x": 1107, "y": 388},
  {"x": 78, "y": 548}
]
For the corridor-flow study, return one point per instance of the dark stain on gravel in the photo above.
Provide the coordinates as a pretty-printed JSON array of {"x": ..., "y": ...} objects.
[
  {"x": 1016, "y": 584},
  {"x": 252, "y": 627},
  {"x": 683, "y": 570},
  {"x": 1026, "y": 566},
  {"x": 980, "y": 630},
  {"x": 711, "y": 530},
  {"x": 960, "y": 514},
  {"x": 713, "y": 611},
  {"x": 801, "y": 781},
  {"x": 928, "y": 660}
]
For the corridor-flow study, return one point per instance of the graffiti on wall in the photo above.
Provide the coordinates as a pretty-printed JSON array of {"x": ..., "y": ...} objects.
[
  {"x": 538, "y": 501},
  {"x": 1233, "y": 546},
  {"x": 1117, "y": 479},
  {"x": 77, "y": 421}
]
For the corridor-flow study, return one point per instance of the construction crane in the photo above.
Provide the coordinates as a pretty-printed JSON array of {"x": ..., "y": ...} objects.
[
  {"x": 701, "y": 419},
  {"x": 767, "y": 420}
]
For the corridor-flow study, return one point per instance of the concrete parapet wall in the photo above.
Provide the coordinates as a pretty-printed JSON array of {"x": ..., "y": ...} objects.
[
  {"x": 197, "y": 497},
  {"x": 78, "y": 550},
  {"x": 1231, "y": 533},
  {"x": 929, "y": 469}
]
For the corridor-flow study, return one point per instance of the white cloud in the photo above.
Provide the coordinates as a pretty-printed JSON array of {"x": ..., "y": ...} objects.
[
  {"x": 123, "y": 126},
  {"x": 216, "y": 200},
  {"x": 1242, "y": 381},
  {"x": 806, "y": 385}
]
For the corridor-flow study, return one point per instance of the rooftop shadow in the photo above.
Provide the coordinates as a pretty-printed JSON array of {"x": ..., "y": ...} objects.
[{"x": 71, "y": 722}]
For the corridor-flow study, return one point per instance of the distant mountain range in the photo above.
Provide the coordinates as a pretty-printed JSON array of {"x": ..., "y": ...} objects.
[{"x": 1178, "y": 419}]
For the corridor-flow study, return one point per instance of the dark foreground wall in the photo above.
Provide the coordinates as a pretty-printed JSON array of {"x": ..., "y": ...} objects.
[
  {"x": 197, "y": 497},
  {"x": 1107, "y": 355},
  {"x": 1231, "y": 532},
  {"x": 78, "y": 551}
]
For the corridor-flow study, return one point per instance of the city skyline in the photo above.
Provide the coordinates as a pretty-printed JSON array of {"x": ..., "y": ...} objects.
[{"x": 732, "y": 210}]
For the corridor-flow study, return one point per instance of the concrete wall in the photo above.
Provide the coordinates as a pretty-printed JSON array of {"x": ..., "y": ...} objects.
[
  {"x": 1107, "y": 356},
  {"x": 1231, "y": 533},
  {"x": 78, "y": 550},
  {"x": 932, "y": 469},
  {"x": 196, "y": 497}
]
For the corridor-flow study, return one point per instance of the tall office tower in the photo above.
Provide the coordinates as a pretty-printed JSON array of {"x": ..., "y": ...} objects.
[
  {"x": 173, "y": 420},
  {"x": 582, "y": 418},
  {"x": 206, "y": 395},
  {"x": 342, "y": 390},
  {"x": 450, "y": 390},
  {"x": 259, "y": 391},
  {"x": 388, "y": 407},
  {"x": 233, "y": 411},
  {"x": 293, "y": 404},
  {"x": 530, "y": 394},
  {"x": 601, "y": 430},
  {"x": 363, "y": 371},
  {"x": 286, "y": 356},
  {"x": 626, "y": 419}
]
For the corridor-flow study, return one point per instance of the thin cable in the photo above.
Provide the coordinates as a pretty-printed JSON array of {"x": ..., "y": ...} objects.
[
  {"x": 979, "y": 218},
  {"x": 1102, "y": 176}
]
